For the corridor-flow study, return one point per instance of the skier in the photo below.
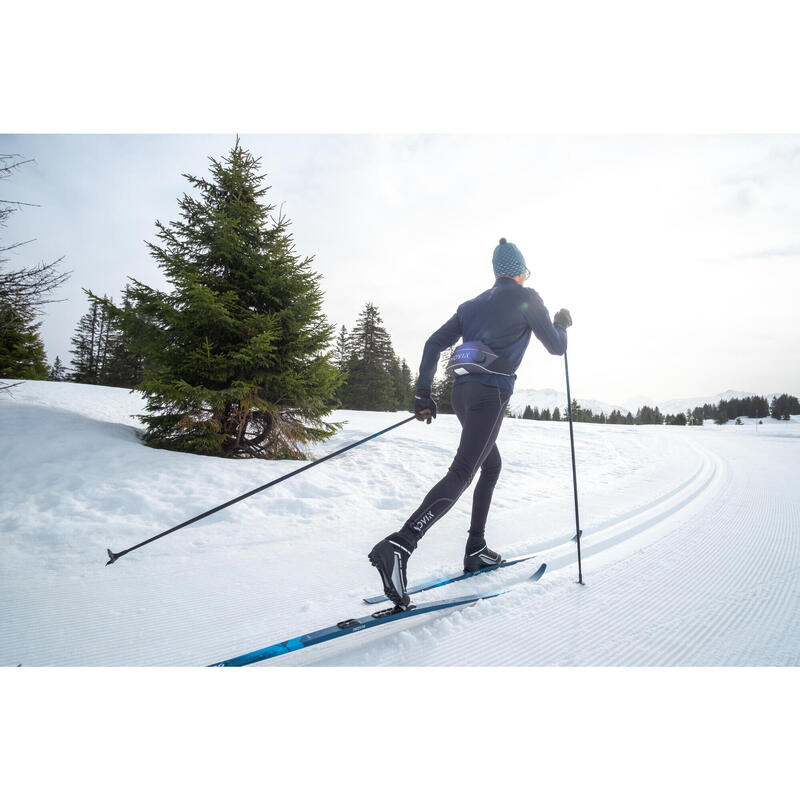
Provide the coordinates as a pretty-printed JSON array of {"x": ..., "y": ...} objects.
[{"x": 496, "y": 328}]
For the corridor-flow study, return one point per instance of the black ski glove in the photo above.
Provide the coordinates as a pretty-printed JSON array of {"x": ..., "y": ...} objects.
[
  {"x": 563, "y": 318},
  {"x": 424, "y": 406}
]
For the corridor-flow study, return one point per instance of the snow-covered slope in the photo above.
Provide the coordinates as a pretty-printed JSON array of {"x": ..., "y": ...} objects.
[{"x": 691, "y": 543}]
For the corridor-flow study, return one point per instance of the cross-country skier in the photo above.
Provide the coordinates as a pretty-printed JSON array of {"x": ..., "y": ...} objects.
[{"x": 496, "y": 328}]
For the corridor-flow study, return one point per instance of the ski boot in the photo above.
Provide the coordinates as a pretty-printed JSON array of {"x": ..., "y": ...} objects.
[
  {"x": 390, "y": 557},
  {"x": 480, "y": 558}
]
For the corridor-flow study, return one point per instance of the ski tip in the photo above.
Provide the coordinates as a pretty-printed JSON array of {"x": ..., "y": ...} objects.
[
  {"x": 575, "y": 537},
  {"x": 112, "y": 557},
  {"x": 539, "y": 572}
]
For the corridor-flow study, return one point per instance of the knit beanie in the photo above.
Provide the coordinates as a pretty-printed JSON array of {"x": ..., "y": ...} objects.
[{"x": 507, "y": 260}]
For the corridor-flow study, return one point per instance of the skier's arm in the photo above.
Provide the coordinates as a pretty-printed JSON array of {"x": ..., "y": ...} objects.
[
  {"x": 445, "y": 337},
  {"x": 553, "y": 337}
]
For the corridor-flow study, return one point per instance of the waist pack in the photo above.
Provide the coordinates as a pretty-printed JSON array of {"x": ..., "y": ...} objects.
[{"x": 477, "y": 357}]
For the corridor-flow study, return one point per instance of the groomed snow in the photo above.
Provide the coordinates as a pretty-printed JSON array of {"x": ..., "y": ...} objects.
[{"x": 691, "y": 543}]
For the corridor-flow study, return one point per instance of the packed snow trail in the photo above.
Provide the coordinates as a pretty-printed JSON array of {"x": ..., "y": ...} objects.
[
  {"x": 690, "y": 543},
  {"x": 721, "y": 588}
]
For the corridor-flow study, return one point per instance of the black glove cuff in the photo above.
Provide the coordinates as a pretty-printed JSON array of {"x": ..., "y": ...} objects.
[{"x": 424, "y": 393}]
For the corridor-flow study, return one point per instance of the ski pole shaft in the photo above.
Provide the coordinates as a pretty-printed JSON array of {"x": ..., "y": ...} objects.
[
  {"x": 574, "y": 476},
  {"x": 114, "y": 556}
]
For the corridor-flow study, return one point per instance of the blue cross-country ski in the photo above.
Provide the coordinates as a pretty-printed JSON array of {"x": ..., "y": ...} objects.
[{"x": 352, "y": 625}]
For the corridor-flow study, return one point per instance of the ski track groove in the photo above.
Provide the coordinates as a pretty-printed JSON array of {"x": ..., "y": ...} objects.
[
  {"x": 175, "y": 640},
  {"x": 742, "y": 540},
  {"x": 685, "y": 493}
]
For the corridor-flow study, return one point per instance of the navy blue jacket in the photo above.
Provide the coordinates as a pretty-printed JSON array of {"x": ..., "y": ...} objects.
[{"x": 502, "y": 317}]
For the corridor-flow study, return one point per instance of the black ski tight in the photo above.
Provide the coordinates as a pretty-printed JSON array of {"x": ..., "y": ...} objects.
[{"x": 480, "y": 410}]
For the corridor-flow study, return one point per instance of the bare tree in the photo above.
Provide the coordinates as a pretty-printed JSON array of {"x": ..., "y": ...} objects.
[{"x": 23, "y": 292}]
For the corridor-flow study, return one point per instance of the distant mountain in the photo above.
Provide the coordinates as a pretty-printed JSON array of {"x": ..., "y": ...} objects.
[{"x": 681, "y": 404}]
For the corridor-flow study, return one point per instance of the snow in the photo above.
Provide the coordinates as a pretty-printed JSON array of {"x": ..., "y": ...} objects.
[{"x": 691, "y": 546}]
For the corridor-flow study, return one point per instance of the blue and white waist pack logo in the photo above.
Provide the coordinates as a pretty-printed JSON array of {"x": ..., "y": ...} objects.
[{"x": 477, "y": 357}]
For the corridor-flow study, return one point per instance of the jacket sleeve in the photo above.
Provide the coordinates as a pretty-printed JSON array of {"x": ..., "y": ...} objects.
[
  {"x": 553, "y": 337},
  {"x": 445, "y": 337}
]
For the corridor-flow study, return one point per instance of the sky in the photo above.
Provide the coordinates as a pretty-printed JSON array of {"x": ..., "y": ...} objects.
[{"x": 677, "y": 256}]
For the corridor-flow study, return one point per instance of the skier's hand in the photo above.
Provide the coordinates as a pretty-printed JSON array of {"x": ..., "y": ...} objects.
[
  {"x": 424, "y": 406},
  {"x": 563, "y": 318}
]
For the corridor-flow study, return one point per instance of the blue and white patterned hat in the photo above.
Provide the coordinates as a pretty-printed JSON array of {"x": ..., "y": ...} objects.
[{"x": 507, "y": 260}]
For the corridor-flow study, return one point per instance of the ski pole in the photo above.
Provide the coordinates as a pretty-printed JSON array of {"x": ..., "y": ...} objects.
[
  {"x": 114, "y": 556},
  {"x": 574, "y": 478}
]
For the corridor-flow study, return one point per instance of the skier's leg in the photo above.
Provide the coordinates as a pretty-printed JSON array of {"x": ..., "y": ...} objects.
[
  {"x": 484, "y": 488},
  {"x": 477, "y": 554},
  {"x": 481, "y": 410}
]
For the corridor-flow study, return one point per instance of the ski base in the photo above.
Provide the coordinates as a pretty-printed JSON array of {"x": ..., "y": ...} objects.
[
  {"x": 352, "y": 625},
  {"x": 435, "y": 583}
]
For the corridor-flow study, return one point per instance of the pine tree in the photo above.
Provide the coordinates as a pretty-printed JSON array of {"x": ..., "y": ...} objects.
[
  {"x": 371, "y": 380},
  {"x": 405, "y": 392},
  {"x": 91, "y": 343},
  {"x": 235, "y": 356},
  {"x": 555, "y": 416},
  {"x": 341, "y": 350},
  {"x": 58, "y": 372},
  {"x": 528, "y": 413},
  {"x": 83, "y": 341},
  {"x": 785, "y": 405},
  {"x": 22, "y": 352}
]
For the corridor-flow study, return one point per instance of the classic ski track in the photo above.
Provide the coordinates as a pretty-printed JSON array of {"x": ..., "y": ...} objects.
[
  {"x": 679, "y": 625},
  {"x": 744, "y": 609},
  {"x": 558, "y": 556},
  {"x": 252, "y": 618}
]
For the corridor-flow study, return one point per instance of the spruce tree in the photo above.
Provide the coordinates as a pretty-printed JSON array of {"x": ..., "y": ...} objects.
[
  {"x": 89, "y": 344},
  {"x": 371, "y": 379},
  {"x": 341, "y": 352},
  {"x": 528, "y": 413},
  {"x": 122, "y": 368},
  {"x": 58, "y": 372},
  {"x": 235, "y": 355},
  {"x": 22, "y": 352},
  {"x": 404, "y": 389}
]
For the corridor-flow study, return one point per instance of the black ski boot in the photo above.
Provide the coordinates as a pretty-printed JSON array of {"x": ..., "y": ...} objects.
[
  {"x": 480, "y": 557},
  {"x": 390, "y": 557}
]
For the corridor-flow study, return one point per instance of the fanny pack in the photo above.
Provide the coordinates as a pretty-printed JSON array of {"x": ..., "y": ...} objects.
[{"x": 477, "y": 357}]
